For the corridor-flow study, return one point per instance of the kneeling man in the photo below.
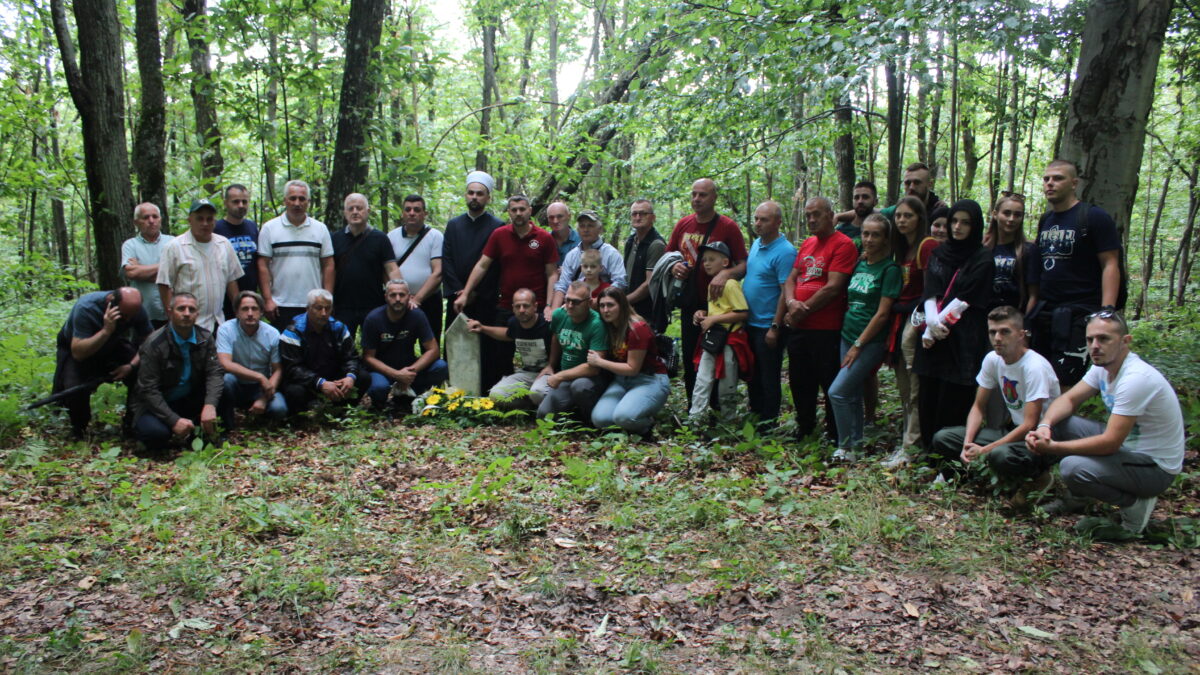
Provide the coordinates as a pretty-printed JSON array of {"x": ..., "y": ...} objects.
[
  {"x": 248, "y": 350},
  {"x": 1028, "y": 385},
  {"x": 1133, "y": 457},
  {"x": 575, "y": 328},
  {"x": 526, "y": 387},
  {"x": 319, "y": 358},
  {"x": 179, "y": 378},
  {"x": 389, "y": 334}
]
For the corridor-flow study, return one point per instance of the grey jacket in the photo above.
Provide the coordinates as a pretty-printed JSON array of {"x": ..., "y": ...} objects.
[{"x": 161, "y": 366}]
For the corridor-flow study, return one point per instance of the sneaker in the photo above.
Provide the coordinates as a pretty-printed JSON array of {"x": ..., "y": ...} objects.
[
  {"x": 1065, "y": 505},
  {"x": 844, "y": 455},
  {"x": 940, "y": 480},
  {"x": 897, "y": 459},
  {"x": 1135, "y": 517}
]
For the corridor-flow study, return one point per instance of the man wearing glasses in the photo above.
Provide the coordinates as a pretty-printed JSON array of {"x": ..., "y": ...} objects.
[
  {"x": 1133, "y": 457},
  {"x": 643, "y": 248},
  {"x": 575, "y": 328}
]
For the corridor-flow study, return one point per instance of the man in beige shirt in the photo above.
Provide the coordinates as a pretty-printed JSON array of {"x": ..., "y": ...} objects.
[{"x": 201, "y": 263}]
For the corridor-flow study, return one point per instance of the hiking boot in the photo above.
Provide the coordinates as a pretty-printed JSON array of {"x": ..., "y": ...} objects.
[
  {"x": 897, "y": 459},
  {"x": 1033, "y": 491},
  {"x": 1135, "y": 516},
  {"x": 844, "y": 455}
]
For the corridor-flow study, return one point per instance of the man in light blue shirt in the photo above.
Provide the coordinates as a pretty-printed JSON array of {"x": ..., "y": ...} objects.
[
  {"x": 591, "y": 232},
  {"x": 248, "y": 350},
  {"x": 139, "y": 259},
  {"x": 767, "y": 268}
]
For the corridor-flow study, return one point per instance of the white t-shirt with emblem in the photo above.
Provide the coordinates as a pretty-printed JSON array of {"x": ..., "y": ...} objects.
[
  {"x": 1031, "y": 378},
  {"x": 1140, "y": 391}
]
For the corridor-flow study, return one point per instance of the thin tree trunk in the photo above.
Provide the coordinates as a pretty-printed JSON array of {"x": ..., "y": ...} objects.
[
  {"x": 269, "y": 136},
  {"x": 1183, "y": 260},
  {"x": 489, "y": 84},
  {"x": 1066, "y": 96},
  {"x": 935, "y": 133},
  {"x": 954, "y": 121},
  {"x": 552, "y": 68},
  {"x": 970, "y": 159},
  {"x": 62, "y": 241},
  {"x": 150, "y": 141},
  {"x": 895, "y": 118},
  {"x": 97, "y": 88},
  {"x": 843, "y": 150},
  {"x": 1148, "y": 249},
  {"x": 1014, "y": 132}
]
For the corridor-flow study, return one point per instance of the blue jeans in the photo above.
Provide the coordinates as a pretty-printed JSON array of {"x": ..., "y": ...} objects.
[
  {"x": 631, "y": 402},
  {"x": 437, "y": 373},
  {"x": 845, "y": 394},
  {"x": 765, "y": 381},
  {"x": 244, "y": 394}
]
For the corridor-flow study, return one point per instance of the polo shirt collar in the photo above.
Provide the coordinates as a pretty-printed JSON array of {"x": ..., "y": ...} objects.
[{"x": 191, "y": 339}]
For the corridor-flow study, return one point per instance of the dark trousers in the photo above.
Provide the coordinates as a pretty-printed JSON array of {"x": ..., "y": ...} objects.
[
  {"x": 942, "y": 404},
  {"x": 813, "y": 361},
  {"x": 154, "y": 432},
  {"x": 432, "y": 307},
  {"x": 69, "y": 372},
  {"x": 300, "y": 398},
  {"x": 765, "y": 387},
  {"x": 286, "y": 316},
  {"x": 1060, "y": 335},
  {"x": 495, "y": 357},
  {"x": 353, "y": 319}
]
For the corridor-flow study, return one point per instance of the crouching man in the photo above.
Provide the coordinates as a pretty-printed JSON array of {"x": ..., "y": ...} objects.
[
  {"x": 319, "y": 358},
  {"x": 389, "y": 334},
  {"x": 526, "y": 387},
  {"x": 1133, "y": 457},
  {"x": 1028, "y": 385},
  {"x": 179, "y": 379},
  {"x": 248, "y": 350}
]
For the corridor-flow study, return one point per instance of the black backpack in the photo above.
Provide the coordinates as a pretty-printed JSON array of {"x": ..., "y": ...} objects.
[{"x": 1082, "y": 229}]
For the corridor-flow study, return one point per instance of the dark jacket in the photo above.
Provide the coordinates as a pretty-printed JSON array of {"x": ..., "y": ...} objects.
[
  {"x": 308, "y": 357},
  {"x": 161, "y": 366},
  {"x": 462, "y": 247}
]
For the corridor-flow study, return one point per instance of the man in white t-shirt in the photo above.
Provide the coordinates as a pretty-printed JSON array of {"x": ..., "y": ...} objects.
[
  {"x": 1133, "y": 457},
  {"x": 1027, "y": 383},
  {"x": 418, "y": 249},
  {"x": 295, "y": 255}
]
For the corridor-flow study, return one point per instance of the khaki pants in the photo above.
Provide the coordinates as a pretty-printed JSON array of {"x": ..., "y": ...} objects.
[{"x": 909, "y": 385}]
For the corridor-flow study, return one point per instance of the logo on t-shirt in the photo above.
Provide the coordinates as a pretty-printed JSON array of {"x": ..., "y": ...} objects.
[
  {"x": 1009, "y": 389},
  {"x": 861, "y": 282},
  {"x": 814, "y": 267},
  {"x": 1056, "y": 244},
  {"x": 533, "y": 244}
]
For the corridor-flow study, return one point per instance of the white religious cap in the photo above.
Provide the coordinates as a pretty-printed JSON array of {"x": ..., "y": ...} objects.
[{"x": 483, "y": 179}]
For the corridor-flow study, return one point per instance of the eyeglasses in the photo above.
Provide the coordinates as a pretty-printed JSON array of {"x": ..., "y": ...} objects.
[{"x": 573, "y": 301}]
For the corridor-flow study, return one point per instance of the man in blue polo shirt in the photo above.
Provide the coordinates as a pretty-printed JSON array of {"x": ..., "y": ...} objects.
[
  {"x": 767, "y": 269},
  {"x": 248, "y": 350}
]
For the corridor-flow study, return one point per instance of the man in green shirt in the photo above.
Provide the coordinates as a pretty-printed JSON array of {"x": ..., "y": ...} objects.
[{"x": 574, "y": 328}]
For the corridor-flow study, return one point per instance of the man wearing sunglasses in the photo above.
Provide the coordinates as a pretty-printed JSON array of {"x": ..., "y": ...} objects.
[{"x": 1130, "y": 459}]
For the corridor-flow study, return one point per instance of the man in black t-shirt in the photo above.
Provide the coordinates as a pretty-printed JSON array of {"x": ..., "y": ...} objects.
[
  {"x": 1077, "y": 271},
  {"x": 242, "y": 233},
  {"x": 364, "y": 259},
  {"x": 389, "y": 335},
  {"x": 531, "y": 333}
]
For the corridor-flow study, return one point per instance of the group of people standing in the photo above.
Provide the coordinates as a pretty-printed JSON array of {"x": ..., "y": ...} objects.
[{"x": 569, "y": 324}]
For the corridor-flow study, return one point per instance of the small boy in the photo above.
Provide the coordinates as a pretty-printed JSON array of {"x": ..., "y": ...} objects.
[
  {"x": 590, "y": 267},
  {"x": 728, "y": 311}
]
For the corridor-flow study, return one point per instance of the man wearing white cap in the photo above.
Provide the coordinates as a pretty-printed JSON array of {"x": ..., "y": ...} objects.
[{"x": 462, "y": 247}]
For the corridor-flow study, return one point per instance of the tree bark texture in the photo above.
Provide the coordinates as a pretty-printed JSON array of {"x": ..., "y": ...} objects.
[
  {"x": 843, "y": 150},
  {"x": 97, "y": 89},
  {"x": 489, "y": 84},
  {"x": 1111, "y": 98},
  {"x": 150, "y": 140},
  {"x": 203, "y": 96},
  {"x": 360, "y": 92},
  {"x": 895, "y": 121}
]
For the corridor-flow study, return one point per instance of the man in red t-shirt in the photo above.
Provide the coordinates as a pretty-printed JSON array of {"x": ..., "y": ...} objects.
[
  {"x": 815, "y": 293},
  {"x": 690, "y": 233}
]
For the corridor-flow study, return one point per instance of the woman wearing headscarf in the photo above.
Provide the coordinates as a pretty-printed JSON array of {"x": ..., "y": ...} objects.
[{"x": 951, "y": 351}]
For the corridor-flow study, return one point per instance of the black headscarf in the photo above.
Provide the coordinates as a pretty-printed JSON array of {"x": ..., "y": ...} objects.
[{"x": 953, "y": 252}]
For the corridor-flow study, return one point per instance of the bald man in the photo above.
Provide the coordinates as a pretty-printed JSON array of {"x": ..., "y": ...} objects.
[
  {"x": 767, "y": 270},
  {"x": 99, "y": 341},
  {"x": 364, "y": 259}
]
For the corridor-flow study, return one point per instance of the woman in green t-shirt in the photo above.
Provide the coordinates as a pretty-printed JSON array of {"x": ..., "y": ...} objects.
[{"x": 873, "y": 288}]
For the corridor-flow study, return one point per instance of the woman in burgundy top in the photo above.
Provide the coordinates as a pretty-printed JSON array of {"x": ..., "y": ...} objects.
[{"x": 640, "y": 386}]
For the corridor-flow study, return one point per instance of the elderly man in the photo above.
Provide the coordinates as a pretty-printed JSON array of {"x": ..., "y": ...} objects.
[
  {"x": 319, "y": 358},
  {"x": 815, "y": 296},
  {"x": 690, "y": 234},
  {"x": 591, "y": 236},
  {"x": 1132, "y": 457},
  {"x": 389, "y": 335},
  {"x": 364, "y": 260},
  {"x": 558, "y": 218},
  {"x": 418, "y": 250},
  {"x": 98, "y": 342},
  {"x": 295, "y": 255},
  {"x": 248, "y": 350},
  {"x": 643, "y": 248},
  {"x": 767, "y": 270},
  {"x": 139, "y": 259},
  {"x": 571, "y": 384},
  {"x": 201, "y": 263},
  {"x": 179, "y": 379}
]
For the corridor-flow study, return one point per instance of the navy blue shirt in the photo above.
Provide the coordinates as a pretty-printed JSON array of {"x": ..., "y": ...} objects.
[
  {"x": 394, "y": 341},
  {"x": 244, "y": 237},
  {"x": 1068, "y": 269}
]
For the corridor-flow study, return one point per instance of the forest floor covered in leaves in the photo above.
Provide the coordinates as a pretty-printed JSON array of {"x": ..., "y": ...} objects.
[{"x": 398, "y": 547}]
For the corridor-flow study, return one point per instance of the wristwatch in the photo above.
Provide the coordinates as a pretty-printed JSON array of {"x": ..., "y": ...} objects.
[
  {"x": 774, "y": 326},
  {"x": 858, "y": 343}
]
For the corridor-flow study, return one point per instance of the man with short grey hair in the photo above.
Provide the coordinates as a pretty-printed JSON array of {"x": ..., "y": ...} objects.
[
  {"x": 295, "y": 255},
  {"x": 140, "y": 256},
  {"x": 319, "y": 358},
  {"x": 364, "y": 259},
  {"x": 201, "y": 263}
]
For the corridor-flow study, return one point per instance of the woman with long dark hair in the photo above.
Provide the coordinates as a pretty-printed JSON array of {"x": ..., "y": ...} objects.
[
  {"x": 640, "y": 385},
  {"x": 953, "y": 348},
  {"x": 1010, "y": 253}
]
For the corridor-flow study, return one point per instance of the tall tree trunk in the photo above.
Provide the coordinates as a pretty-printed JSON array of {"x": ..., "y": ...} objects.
[
  {"x": 1014, "y": 130},
  {"x": 843, "y": 150},
  {"x": 935, "y": 123},
  {"x": 1066, "y": 96},
  {"x": 1148, "y": 249},
  {"x": 203, "y": 86},
  {"x": 895, "y": 120},
  {"x": 970, "y": 159},
  {"x": 150, "y": 141},
  {"x": 552, "y": 69},
  {"x": 97, "y": 88},
  {"x": 62, "y": 242},
  {"x": 1113, "y": 91},
  {"x": 360, "y": 92},
  {"x": 489, "y": 84},
  {"x": 269, "y": 136},
  {"x": 1183, "y": 259}
]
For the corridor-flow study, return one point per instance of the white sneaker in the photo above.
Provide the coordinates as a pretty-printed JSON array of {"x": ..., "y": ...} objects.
[
  {"x": 897, "y": 459},
  {"x": 940, "y": 480},
  {"x": 1135, "y": 517},
  {"x": 844, "y": 455}
]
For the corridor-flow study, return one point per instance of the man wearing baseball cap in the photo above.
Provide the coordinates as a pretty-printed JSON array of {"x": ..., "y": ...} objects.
[
  {"x": 200, "y": 263},
  {"x": 591, "y": 236}
]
